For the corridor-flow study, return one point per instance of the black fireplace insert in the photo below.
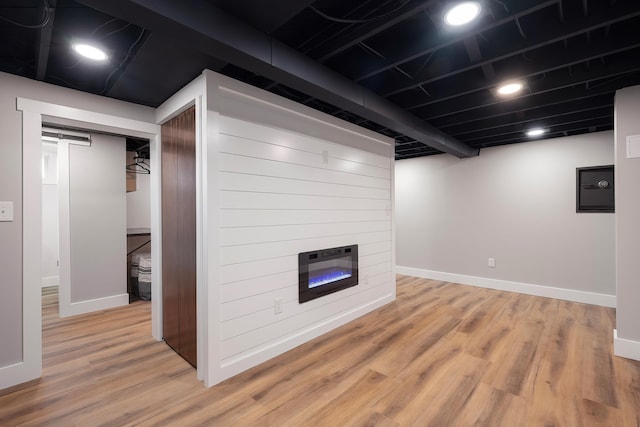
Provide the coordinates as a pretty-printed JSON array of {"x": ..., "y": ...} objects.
[{"x": 325, "y": 271}]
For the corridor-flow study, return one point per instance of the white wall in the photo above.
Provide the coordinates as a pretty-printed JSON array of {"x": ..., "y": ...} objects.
[
  {"x": 627, "y": 177},
  {"x": 514, "y": 203},
  {"x": 50, "y": 237},
  {"x": 139, "y": 203},
  {"x": 278, "y": 198},
  {"x": 97, "y": 220},
  {"x": 268, "y": 194}
]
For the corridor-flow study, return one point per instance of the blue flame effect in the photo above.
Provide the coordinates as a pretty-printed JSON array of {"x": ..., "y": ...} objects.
[{"x": 332, "y": 276}]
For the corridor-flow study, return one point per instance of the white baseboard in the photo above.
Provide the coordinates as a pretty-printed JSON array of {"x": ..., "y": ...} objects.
[
  {"x": 625, "y": 348},
  {"x": 98, "y": 304},
  {"x": 239, "y": 365},
  {"x": 522, "y": 288},
  {"x": 18, "y": 373},
  {"x": 50, "y": 281}
]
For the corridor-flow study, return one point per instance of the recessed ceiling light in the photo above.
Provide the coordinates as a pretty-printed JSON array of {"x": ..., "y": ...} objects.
[
  {"x": 510, "y": 88},
  {"x": 462, "y": 13},
  {"x": 535, "y": 132},
  {"x": 89, "y": 51}
]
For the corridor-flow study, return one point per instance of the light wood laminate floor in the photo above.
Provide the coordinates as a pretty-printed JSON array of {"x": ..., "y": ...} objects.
[{"x": 441, "y": 355}]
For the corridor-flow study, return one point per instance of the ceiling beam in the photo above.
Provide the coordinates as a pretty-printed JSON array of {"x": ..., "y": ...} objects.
[
  {"x": 473, "y": 50},
  {"x": 551, "y": 35},
  {"x": 43, "y": 45},
  {"x": 199, "y": 25},
  {"x": 264, "y": 15}
]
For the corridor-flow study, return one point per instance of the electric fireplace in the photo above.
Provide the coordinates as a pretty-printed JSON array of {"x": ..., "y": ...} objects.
[{"x": 325, "y": 271}]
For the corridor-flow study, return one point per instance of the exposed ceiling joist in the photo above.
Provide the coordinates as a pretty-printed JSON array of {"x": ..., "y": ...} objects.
[
  {"x": 547, "y": 103},
  {"x": 524, "y": 7},
  {"x": 549, "y": 122},
  {"x": 569, "y": 127},
  {"x": 421, "y": 74},
  {"x": 328, "y": 50},
  {"x": 545, "y": 86},
  {"x": 532, "y": 101},
  {"x": 535, "y": 112},
  {"x": 215, "y": 32},
  {"x": 473, "y": 50},
  {"x": 547, "y": 65},
  {"x": 553, "y": 34}
]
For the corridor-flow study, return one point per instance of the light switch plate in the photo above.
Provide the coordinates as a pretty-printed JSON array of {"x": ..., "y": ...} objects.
[
  {"x": 633, "y": 147},
  {"x": 6, "y": 211}
]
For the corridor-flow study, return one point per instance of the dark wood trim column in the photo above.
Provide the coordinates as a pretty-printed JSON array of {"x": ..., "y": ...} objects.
[{"x": 179, "y": 234}]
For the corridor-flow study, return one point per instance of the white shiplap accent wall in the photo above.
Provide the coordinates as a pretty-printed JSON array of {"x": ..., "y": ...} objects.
[{"x": 281, "y": 193}]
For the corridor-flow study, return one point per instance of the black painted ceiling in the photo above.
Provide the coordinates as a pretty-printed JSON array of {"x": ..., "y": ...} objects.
[{"x": 572, "y": 54}]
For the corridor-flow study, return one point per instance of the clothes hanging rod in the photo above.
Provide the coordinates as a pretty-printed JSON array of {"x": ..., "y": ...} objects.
[{"x": 56, "y": 135}]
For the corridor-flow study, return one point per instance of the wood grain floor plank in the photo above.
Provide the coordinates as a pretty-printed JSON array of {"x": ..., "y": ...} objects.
[
  {"x": 440, "y": 355},
  {"x": 598, "y": 367},
  {"x": 368, "y": 418},
  {"x": 490, "y": 406},
  {"x": 553, "y": 399},
  {"x": 511, "y": 372},
  {"x": 435, "y": 366},
  {"x": 440, "y": 402},
  {"x": 628, "y": 384},
  {"x": 416, "y": 344},
  {"x": 354, "y": 400}
]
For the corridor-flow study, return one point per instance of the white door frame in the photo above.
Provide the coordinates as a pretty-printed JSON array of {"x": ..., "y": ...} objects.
[{"x": 33, "y": 114}]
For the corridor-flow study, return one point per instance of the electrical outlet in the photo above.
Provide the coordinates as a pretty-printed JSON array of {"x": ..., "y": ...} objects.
[
  {"x": 491, "y": 262},
  {"x": 277, "y": 305}
]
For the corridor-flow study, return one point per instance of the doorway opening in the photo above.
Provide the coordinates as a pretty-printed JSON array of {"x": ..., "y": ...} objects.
[
  {"x": 85, "y": 207},
  {"x": 35, "y": 113},
  {"x": 92, "y": 228}
]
